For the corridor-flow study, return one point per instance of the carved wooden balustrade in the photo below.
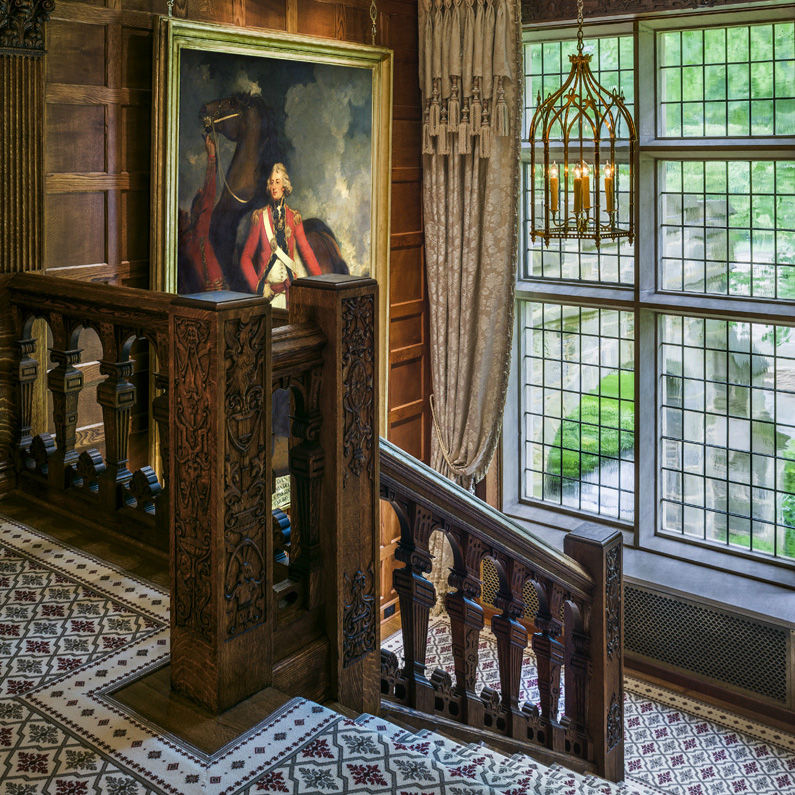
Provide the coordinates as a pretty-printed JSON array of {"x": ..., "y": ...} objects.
[
  {"x": 239, "y": 621},
  {"x": 578, "y": 626},
  {"x": 95, "y": 486}
]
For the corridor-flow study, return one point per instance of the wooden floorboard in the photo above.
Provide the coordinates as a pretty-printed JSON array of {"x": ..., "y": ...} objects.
[
  {"x": 152, "y": 697},
  {"x": 125, "y": 553}
]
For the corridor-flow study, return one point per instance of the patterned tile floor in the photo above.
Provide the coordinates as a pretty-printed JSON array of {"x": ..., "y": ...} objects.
[
  {"x": 675, "y": 744},
  {"x": 73, "y": 630}
]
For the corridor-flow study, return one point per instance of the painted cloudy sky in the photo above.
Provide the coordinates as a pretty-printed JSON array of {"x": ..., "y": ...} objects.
[{"x": 324, "y": 116}]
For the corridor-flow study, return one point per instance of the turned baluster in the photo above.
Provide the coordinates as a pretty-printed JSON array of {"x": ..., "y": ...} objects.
[
  {"x": 417, "y": 596},
  {"x": 307, "y": 466},
  {"x": 511, "y": 643},
  {"x": 466, "y": 623},
  {"x": 116, "y": 395},
  {"x": 65, "y": 382},
  {"x": 549, "y": 657},
  {"x": 28, "y": 373}
]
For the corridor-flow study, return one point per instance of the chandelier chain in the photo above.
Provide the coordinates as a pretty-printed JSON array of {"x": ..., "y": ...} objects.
[
  {"x": 580, "y": 22},
  {"x": 373, "y": 18}
]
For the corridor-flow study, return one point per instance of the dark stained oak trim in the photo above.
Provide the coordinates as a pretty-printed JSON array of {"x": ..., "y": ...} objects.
[
  {"x": 566, "y": 10},
  {"x": 445, "y": 498}
]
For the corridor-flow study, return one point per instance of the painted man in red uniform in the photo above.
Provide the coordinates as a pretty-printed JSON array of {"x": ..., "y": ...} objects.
[{"x": 278, "y": 231}]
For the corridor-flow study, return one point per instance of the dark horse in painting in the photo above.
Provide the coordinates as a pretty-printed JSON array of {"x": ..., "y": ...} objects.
[{"x": 246, "y": 120}]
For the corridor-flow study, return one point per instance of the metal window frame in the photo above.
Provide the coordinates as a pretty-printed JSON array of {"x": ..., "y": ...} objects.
[{"x": 647, "y": 301}]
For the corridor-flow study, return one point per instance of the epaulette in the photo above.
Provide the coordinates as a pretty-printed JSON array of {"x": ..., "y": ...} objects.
[
  {"x": 296, "y": 217},
  {"x": 255, "y": 216}
]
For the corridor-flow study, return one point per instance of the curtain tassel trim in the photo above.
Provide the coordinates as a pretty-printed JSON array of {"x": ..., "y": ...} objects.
[
  {"x": 464, "y": 66},
  {"x": 435, "y": 110},
  {"x": 443, "y": 143},
  {"x": 502, "y": 121},
  {"x": 453, "y": 114},
  {"x": 464, "y": 139},
  {"x": 485, "y": 140},
  {"x": 475, "y": 108}
]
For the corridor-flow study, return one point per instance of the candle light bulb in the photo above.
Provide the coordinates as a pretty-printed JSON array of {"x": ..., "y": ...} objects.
[
  {"x": 585, "y": 187},
  {"x": 553, "y": 188}
]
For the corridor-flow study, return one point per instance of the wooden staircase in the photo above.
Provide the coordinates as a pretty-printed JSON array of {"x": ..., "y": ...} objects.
[{"x": 243, "y": 616}]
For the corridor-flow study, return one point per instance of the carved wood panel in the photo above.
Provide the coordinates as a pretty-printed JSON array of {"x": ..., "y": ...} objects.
[
  {"x": 193, "y": 483},
  {"x": 245, "y": 474},
  {"x": 359, "y": 438},
  {"x": 359, "y": 616}
]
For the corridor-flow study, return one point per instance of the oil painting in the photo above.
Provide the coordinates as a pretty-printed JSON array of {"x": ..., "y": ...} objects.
[{"x": 275, "y": 155}]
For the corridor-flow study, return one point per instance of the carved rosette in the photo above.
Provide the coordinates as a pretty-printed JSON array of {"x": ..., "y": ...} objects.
[
  {"x": 358, "y": 375},
  {"x": 613, "y": 602},
  {"x": 245, "y": 474},
  {"x": 359, "y": 617},
  {"x": 615, "y": 723},
  {"x": 193, "y": 443},
  {"x": 22, "y": 24}
]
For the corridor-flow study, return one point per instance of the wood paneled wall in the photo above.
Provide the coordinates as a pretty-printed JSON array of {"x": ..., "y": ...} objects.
[{"x": 98, "y": 162}]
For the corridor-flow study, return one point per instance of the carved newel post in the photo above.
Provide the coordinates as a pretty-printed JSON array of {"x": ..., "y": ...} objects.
[
  {"x": 599, "y": 552},
  {"x": 219, "y": 445},
  {"x": 21, "y": 183},
  {"x": 345, "y": 308}
]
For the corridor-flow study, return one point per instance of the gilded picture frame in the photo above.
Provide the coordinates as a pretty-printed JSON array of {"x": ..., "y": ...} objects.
[{"x": 231, "y": 104}]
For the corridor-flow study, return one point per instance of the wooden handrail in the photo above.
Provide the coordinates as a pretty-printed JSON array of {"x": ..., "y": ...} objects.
[
  {"x": 458, "y": 505},
  {"x": 296, "y": 348},
  {"x": 578, "y": 624},
  {"x": 123, "y": 305},
  {"x": 218, "y": 362}
]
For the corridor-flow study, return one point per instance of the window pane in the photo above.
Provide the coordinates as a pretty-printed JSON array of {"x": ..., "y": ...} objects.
[
  {"x": 727, "y": 227},
  {"x": 547, "y": 66},
  {"x": 706, "y": 77},
  {"x": 725, "y": 442},
  {"x": 578, "y": 407}
]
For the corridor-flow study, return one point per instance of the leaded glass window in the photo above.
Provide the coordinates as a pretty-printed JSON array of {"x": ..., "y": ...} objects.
[{"x": 658, "y": 380}]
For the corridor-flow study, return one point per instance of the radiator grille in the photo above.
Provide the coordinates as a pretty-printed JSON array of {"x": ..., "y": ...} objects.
[{"x": 721, "y": 646}]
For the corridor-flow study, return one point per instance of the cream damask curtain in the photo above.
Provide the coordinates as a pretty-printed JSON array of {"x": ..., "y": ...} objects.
[{"x": 471, "y": 76}]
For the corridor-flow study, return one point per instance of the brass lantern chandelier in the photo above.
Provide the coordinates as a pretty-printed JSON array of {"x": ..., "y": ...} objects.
[{"x": 580, "y": 194}]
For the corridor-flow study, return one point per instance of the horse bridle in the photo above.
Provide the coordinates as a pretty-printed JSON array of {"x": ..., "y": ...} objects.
[
  {"x": 209, "y": 127},
  {"x": 209, "y": 122}
]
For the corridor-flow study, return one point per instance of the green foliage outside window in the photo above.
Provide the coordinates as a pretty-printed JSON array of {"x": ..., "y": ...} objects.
[{"x": 602, "y": 425}]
